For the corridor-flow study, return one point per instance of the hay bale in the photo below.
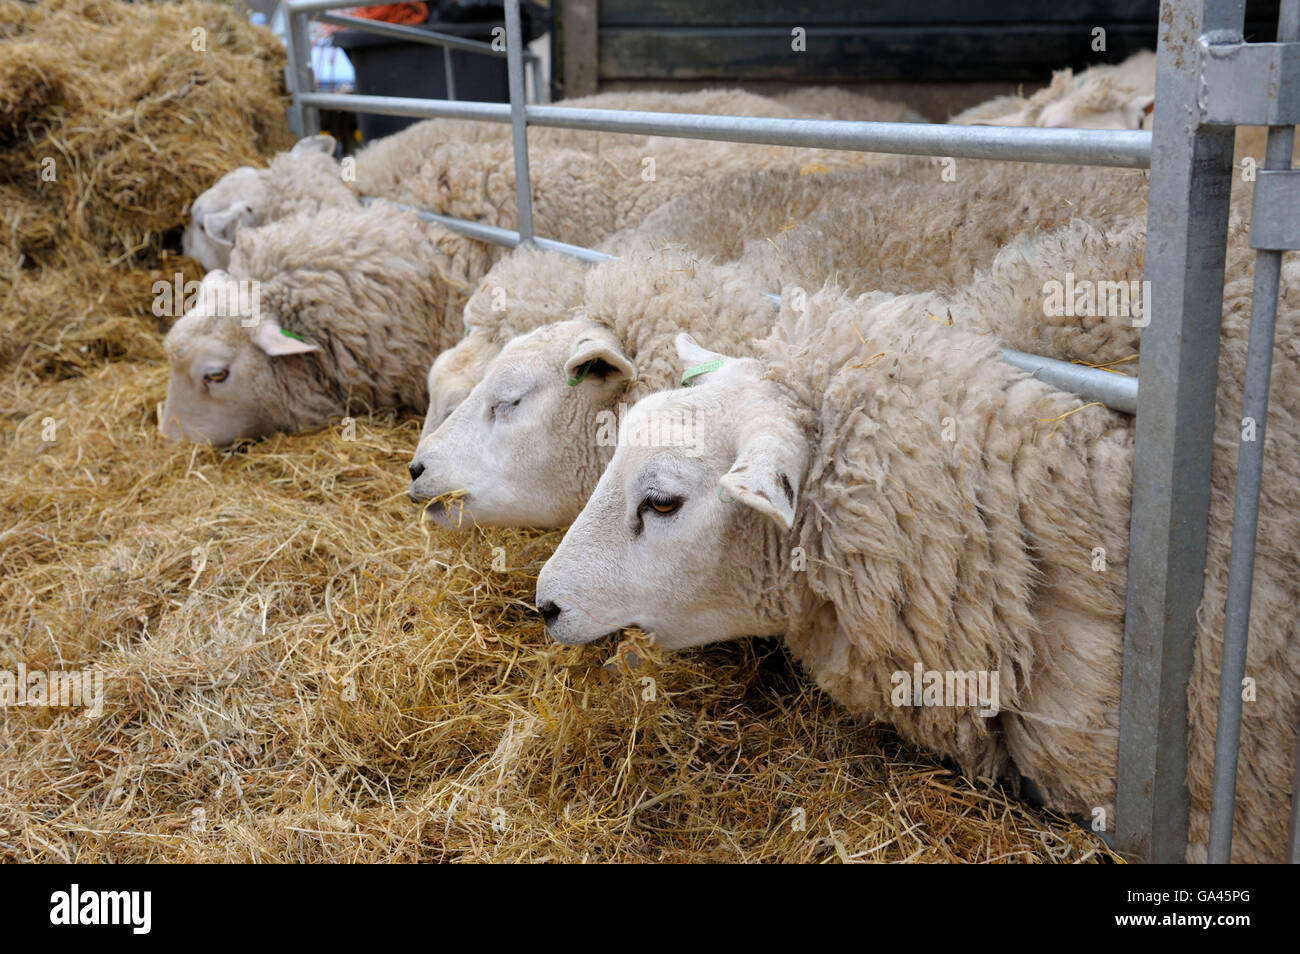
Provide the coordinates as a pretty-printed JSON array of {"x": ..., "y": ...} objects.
[{"x": 111, "y": 122}]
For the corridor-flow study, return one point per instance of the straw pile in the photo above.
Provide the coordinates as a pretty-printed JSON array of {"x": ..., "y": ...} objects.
[
  {"x": 296, "y": 669},
  {"x": 113, "y": 117}
]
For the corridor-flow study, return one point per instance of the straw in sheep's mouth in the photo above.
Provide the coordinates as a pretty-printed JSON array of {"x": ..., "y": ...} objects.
[{"x": 452, "y": 503}]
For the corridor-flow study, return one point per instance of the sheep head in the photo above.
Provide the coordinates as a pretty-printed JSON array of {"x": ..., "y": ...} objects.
[
  {"x": 224, "y": 385},
  {"x": 525, "y": 446},
  {"x": 681, "y": 535},
  {"x": 239, "y": 199}
]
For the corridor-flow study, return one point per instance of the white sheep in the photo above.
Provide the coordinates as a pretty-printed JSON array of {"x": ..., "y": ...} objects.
[
  {"x": 587, "y": 185},
  {"x": 912, "y": 513},
  {"x": 303, "y": 180},
  {"x": 1103, "y": 96},
  {"x": 319, "y": 318},
  {"x": 537, "y": 465},
  {"x": 537, "y": 416}
]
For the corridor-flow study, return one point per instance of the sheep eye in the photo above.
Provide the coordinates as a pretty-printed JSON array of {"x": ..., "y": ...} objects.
[
  {"x": 664, "y": 505},
  {"x": 216, "y": 377},
  {"x": 502, "y": 406}
]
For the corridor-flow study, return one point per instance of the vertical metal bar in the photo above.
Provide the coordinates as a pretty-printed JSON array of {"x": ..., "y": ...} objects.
[
  {"x": 1293, "y": 830},
  {"x": 1245, "y": 504},
  {"x": 450, "y": 72},
  {"x": 300, "y": 55},
  {"x": 1191, "y": 168},
  {"x": 539, "y": 91},
  {"x": 291, "y": 80},
  {"x": 519, "y": 128}
]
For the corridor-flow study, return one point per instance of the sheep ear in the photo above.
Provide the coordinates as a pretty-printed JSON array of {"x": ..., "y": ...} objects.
[
  {"x": 323, "y": 143},
  {"x": 1137, "y": 109},
  {"x": 599, "y": 354},
  {"x": 222, "y": 226},
  {"x": 275, "y": 341},
  {"x": 766, "y": 475},
  {"x": 696, "y": 360}
]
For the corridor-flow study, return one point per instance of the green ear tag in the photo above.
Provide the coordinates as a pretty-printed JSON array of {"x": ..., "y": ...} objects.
[
  {"x": 697, "y": 370},
  {"x": 575, "y": 379},
  {"x": 289, "y": 334},
  {"x": 466, "y": 334}
]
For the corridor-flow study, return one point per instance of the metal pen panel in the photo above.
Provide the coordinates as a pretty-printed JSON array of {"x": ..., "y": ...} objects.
[
  {"x": 518, "y": 120},
  {"x": 1187, "y": 217},
  {"x": 1095, "y": 147},
  {"x": 402, "y": 106},
  {"x": 1245, "y": 504}
]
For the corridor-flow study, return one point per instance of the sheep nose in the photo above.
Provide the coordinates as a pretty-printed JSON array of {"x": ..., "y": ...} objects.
[
  {"x": 416, "y": 469},
  {"x": 550, "y": 612}
]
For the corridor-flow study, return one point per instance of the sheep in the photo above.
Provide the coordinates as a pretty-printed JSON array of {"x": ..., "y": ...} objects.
[
  {"x": 318, "y": 318},
  {"x": 571, "y": 375},
  {"x": 885, "y": 492},
  {"x": 465, "y": 168},
  {"x": 873, "y": 226},
  {"x": 640, "y": 300},
  {"x": 1103, "y": 96},
  {"x": 303, "y": 180}
]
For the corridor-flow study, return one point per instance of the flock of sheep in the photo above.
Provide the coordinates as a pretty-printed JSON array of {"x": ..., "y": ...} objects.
[{"x": 853, "y": 467}]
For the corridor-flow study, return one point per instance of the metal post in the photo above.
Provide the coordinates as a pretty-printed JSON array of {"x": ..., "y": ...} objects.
[
  {"x": 539, "y": 91},
  {"x": 1245, "y": 504},
  {"x": 450, "y": 72},
  {"x": 1191, "y": 168},
  {"x": 300, "y": 60},
  {"x": 291, "y": 80},
  {"x": 1293, "y": 829},
  {"x": 518, "y": 122}
]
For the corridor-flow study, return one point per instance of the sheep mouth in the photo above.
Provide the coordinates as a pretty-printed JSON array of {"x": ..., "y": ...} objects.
[{"x": 448, "y": 509}]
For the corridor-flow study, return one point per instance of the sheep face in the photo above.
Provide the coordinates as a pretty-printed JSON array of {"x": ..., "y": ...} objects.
[
  {"x": 223, "y": 386},
  {"x": 523, "y": 445},
  {"x": 236, "y": 201},
  {"x": 680, "y": 537},
  {"x": 1101, "y": 107},
  {"x": 239, "y": 199}
]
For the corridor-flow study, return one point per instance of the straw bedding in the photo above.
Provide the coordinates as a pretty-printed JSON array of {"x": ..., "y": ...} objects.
[{"x": 295, "y": 668}]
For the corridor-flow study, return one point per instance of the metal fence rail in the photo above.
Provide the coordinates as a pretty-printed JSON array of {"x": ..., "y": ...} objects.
[{"x": 1208, "y": 80}]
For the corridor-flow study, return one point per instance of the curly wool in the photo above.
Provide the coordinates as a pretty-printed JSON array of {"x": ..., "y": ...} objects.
[
  {"x": 359, "y": 284},
  {"x": 981, "y": 552}
]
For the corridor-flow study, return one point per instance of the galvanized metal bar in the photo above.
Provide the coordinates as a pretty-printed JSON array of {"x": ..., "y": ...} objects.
[
  {"x": 403, "y": 106},
  {"x": 535, "y": 68},
  {"x": 1124, "y": 148},
  {"x": 1191, "y": 168},
  {"x": 1245, "y": 504},
  {"x": 1117, "y": 391},
  {"x": 449, "y": 74},
  {"x": 494, "y": 233},
  {"x": 412, "y": 35},
  {"x": 319, "y": 6},
  {"x": 298, "y": 48},
  {"x": 1095, "y": 147},
  {"x": 1293, "y": 829},
  {"x": 518, "y": 120}
]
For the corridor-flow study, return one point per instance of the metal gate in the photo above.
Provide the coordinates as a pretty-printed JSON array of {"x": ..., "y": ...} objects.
[{"x": 1208, "y": 82}]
